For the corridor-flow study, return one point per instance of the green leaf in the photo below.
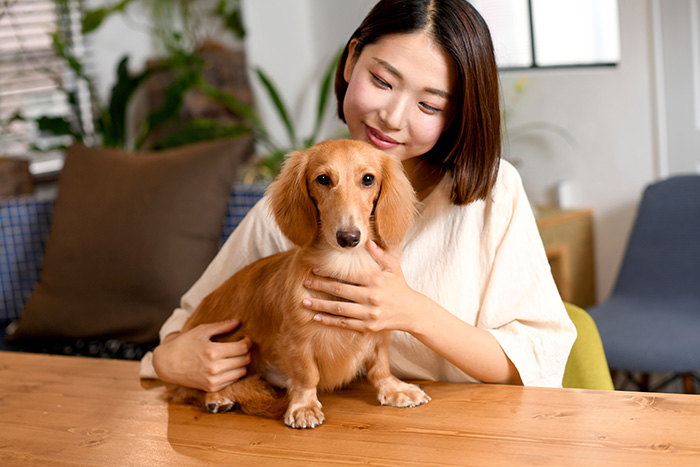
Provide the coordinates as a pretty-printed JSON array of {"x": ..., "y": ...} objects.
[
  {"x": 57, "y": 126},
  {"x": 248, "y": 113},
  {"x": 274, "y": 160},
  {"x": 279, "y": 106},
  {"x": 230, "y": 101},
  {"x": 16, "y": 117},
  {"x": 174, "y": 97},
  {"x": 232, "y": 17},
  {"x": 202, "y": 129},
  {"x": 114, "y": 118},
  {"x": 93, "y": 19},
  {"x": 234, "y": 21},
  {"x": 73, "y": 63},
  {"x": 34, "y": 148}
]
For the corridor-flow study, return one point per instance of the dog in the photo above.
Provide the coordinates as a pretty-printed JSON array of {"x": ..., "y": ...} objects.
[{"x": 329, "y": 200}]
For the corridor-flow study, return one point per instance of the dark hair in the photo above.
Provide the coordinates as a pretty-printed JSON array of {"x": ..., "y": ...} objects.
[{"x": 470, "y": 147}]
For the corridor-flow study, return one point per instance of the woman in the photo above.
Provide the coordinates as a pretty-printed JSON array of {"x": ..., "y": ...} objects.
[{"x": 473, "y": 298}]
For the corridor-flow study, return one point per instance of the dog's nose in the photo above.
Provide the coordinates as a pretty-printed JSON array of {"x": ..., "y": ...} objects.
[{"x": 348, "y": 238}]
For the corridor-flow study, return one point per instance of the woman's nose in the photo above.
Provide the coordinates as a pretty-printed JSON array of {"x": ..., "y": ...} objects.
[{"x": 394, "y": 113}]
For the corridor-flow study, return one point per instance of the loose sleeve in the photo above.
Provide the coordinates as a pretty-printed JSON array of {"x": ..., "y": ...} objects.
[
  {"x": 257, "y": 236},
  {"x": 521, "y": 305}
]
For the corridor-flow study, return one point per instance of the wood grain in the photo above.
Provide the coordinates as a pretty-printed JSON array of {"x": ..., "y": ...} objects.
[{"x": 76, "y": 411}]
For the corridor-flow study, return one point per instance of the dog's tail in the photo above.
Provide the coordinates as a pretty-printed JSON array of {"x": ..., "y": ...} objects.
[
  {"x": 252, "y": 395},
  {"x": 256, "y": 397}
]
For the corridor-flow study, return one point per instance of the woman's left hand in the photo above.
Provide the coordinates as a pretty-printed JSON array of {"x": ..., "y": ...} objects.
[{"x": 383, "y": 301}]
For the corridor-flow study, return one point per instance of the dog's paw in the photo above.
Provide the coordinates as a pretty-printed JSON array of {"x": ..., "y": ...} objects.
[
  {"x": 306, "y": 416},
  {"x": 403, "y": 395},
  {"x": 216, "y": 402}
]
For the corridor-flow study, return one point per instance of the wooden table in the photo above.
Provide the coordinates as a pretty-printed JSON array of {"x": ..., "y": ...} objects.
[{"x": 77, "y": 411}]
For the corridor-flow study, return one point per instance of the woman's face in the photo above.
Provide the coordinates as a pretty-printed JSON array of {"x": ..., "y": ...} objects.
[{"x": 398, "y": 95}]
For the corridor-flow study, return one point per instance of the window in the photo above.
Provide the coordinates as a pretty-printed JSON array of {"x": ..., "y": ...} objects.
[
  {"x": 552, "y": 33},
  {"x": 32, "y": 76}
]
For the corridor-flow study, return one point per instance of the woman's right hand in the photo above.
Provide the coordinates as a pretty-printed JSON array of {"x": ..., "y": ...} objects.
[{"x": 191, "y": 359}]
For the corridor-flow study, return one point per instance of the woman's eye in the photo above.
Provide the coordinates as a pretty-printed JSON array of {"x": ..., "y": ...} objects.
[
  {"x": 429, "y": 108},
  {"x": 368, "y": 180},
  {"x": 380, "y": 82},
  {"x": 324, "y": 180}
]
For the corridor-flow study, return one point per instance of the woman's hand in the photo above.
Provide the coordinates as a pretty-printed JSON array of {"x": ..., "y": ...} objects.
[
  {"x": 383, "y": 301},
  {"x": 191, "y": 359}
]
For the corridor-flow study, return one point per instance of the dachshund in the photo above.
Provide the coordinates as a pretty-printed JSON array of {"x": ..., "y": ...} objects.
[{"x": 329, "y": 200}]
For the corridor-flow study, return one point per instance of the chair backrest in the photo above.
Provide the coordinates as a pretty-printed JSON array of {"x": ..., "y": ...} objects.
[
  {"x": 663, "y": 251},
  {"x": 587, "y": 367}
]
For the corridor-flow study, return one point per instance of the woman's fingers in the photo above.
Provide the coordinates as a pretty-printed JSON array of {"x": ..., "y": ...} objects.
[
  {"x": 341, "y": 322},
  {"x": 346, "y": 309},
  {"x": 384, "y": 259},
  {"x": 234, "y": 349},
  {"x": 210, "y": 330},
  {"x": 342, "y": 290},
  {"x": 227, "y": 371},
  {"x": 224, "y": 380},
  {"x": 341, "y": 314}
]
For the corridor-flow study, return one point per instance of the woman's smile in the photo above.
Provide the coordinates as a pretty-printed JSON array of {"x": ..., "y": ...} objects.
[{"x": 379, "y": 139}]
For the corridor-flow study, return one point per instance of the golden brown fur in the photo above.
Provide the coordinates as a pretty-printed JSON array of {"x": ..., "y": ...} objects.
[{"x": 291, "y": 349}]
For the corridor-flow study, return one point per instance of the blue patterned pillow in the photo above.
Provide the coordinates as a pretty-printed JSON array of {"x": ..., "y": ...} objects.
[
  {"x": 24, "y": 229},
  {"x": 243, "y": 198}
]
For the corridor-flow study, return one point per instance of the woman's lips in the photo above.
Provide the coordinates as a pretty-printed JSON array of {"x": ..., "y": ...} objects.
[{"x": 379, "y": 139}]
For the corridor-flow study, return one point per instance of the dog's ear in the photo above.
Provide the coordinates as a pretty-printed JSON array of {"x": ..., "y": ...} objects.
[
  {"x": 292, "y": 206},
  {"x": 396, "y": 205}
]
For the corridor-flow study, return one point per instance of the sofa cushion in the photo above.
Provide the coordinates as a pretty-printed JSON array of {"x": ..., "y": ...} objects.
[
  {"x": 24, "y": 228},
  {"x": 130, "y": 233}
]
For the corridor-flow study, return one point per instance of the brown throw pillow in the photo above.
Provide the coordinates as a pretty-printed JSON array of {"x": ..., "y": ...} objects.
[{"x": 131, "y": 232}]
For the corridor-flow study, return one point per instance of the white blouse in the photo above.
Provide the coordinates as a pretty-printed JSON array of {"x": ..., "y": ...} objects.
[{"x": 483, "y": 262}]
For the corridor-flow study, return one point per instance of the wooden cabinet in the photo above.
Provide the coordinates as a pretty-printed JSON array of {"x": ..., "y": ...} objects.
[{"x": 568, "y": 240}]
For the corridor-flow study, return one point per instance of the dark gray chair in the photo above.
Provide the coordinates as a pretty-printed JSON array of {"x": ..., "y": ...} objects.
[{"x": 651, "y": 322}]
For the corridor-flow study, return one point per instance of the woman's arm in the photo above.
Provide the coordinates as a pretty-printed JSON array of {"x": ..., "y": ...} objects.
[
  {"x": 191, "y": 358},
  {"x": 386, "y": 302}
]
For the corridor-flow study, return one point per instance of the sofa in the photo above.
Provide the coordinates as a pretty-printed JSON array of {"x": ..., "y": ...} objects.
[
  {"x": 97, "y": 268},
  {"x": 25, "y": 223}
]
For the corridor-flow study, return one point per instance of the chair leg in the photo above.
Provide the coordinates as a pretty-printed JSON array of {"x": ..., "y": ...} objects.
[{"x": 688, "y": 383}]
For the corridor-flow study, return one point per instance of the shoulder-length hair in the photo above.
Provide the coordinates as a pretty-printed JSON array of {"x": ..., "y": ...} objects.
[{"x": 470, "y": 147}]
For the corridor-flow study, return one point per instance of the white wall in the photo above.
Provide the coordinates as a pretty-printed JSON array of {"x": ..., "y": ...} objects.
[
  {"x": 294, "y": 46},
  {"x": 119, "y": 35},
  {"x": 610, "y": 113}
]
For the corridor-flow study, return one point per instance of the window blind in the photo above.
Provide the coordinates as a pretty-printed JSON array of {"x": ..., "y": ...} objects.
[{"x": 32, "y": 76}]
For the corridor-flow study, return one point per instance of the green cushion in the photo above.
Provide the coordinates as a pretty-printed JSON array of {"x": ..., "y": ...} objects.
[{"x": 587, "y": 367}]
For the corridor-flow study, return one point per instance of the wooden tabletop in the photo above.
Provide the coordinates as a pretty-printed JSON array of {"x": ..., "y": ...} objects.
[{"x": 78, "y": 411}]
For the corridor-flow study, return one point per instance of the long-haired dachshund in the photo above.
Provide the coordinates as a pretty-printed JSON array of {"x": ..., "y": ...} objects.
[{"x": 329, "y": 200}]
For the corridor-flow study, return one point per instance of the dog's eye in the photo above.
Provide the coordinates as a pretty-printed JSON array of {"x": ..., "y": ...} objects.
[
  {"x": 368, "y": 180},
  {"x": 324, "y": 180}
]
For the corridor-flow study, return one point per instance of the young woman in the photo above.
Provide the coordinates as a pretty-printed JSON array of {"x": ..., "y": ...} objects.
[{"x": 472, "y": 298}]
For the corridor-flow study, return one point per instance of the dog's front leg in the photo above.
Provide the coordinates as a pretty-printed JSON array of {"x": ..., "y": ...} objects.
[
  {"x": 391, "y": 390},
  {"x": 304, "y": 410}
]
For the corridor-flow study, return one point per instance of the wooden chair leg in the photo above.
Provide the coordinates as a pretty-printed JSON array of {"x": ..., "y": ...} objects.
[{"x": 688, "y": 384}]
